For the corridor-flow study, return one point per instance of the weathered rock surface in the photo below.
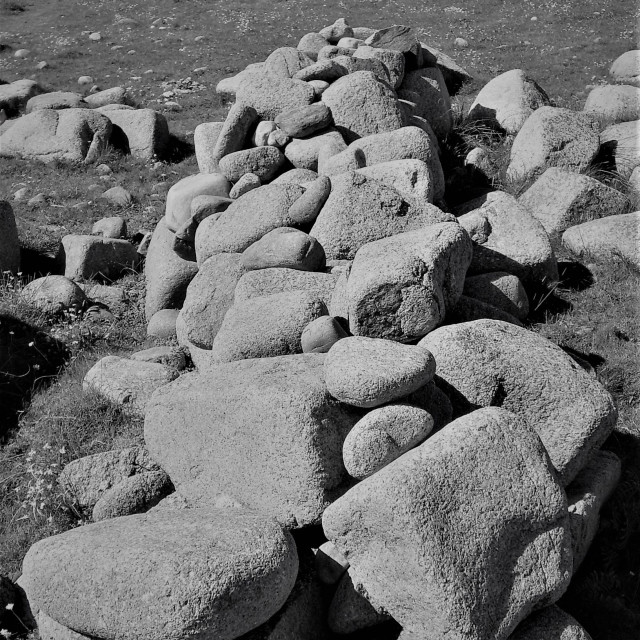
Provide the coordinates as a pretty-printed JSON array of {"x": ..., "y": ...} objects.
[
  {"x": 401, "y": 287},
  {"x": 552, "y": 623},
  {"x": 491, "y": 363},
  {"x": 621, "y": 146},
  {"x": 270, "y": 95},
  {"x": 435, "y": 535},
  {"x": 501, "y": 290},
  {"x": 54, "y": 294},
  {"x": 611, "y": 104},
  {"x": 321, "y": 334},
  {"x": 228, "y": 572},
  {"x": 291, "y": 475},
  {"x": 15, "y": 95},
  {"x": 264, "y": 162},
  {"x": 285, "y": 62},
  {"x": 304, "y": 121},
  {"x": 146, "y": 132},
  {"x": 56, "y": 100},
  {"x": 303, "y": 153},
  {"x": 86, "y": 257}
]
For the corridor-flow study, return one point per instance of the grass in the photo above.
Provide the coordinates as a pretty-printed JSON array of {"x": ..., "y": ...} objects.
[{"x": 150, "y": 47}]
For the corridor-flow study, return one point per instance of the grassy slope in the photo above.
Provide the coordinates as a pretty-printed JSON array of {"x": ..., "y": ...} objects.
[{"x": 559, "y": 50}]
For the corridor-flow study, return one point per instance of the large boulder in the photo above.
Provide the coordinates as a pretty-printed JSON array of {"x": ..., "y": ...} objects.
[
  {"x": 561, "y": 199},
  {"x": 552, "y": 623},
  {"x": 436, "y": 535},
  {"x": 285, "y": 62},
  {"x": 621, "y": 147},
  {"x": 9, "y": 242},
  {"x": 606, "y": 240},
  {"x": 54, "y": 294},
  {"x": 362, "y": 105},
  {"x": 554, "y": 137},
  {"x": 263, "y": 162},
  {"x": 611, "y": 104},
  {"x": 85, "y": 257},
  {"x": 303, "y": 153},
  {"x": 507, "y": 100},
  {"x": 144, "y": 133},
  {"x": 491, "y": 363},
  {"x": 167, "y": 275},
  {"x": 508, "y": 238},
  {"x": 290, "y": 467},
  {"x": 76, "y": 135},
  {"x": 270, "y": 94},
  {"x": 228, "y": 572},
  {"x": 626, "y": 68},
  {"x": 401, "y": 287},
  {"x": 56, "y": 100},
  {"x": 394, "y": 61},
  {"x": 15, "y": 95},
  {"x": 360, "y": 210}
]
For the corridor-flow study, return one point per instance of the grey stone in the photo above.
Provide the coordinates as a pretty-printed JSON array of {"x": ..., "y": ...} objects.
[
  {"x": 291, "y": 475},
  {"x": 264, "y": 162},
  {"x": 553, "y": 137},
  {"x": 9, "y": 242},
  {"x": 15, "y": 95},
  {"x": 368, "y": 372},
  {"x": 270, "y": 95},
  {"x": 325, "y": 70},
  {"x": 205, "y": 139},
  {"x": 622, "y": 142},
  {"x": 435, "y": 402},
  {"x": 610, "y": 104},
  {"x": 56, "y": 100},
  {"x": 412, "y": 179},
  {"x": 469, "y": 308},
  {"x": 488, "y": 363},
  {"x": 263, "y": 129},
  {"x": 626, "y": 68},
  {"x": 210, "y": 296},
  {"x": 561, "y": 199},
  {"x": 113, "y": 227},
  {"x": 76, "y": 135},
  {"x": 247, "y": 219},
  {"x": 383, "y": 435},
  {"x": 361, "y": 106},
  {"x": 435, "y": 535},
  {"x": 551, "y": 623},
  {"x": 86, "y": 479},
  {"x": 117, "y": 196},
  {"x": 110, "y": 296},
  {"x": 401, "y": 287},
  {"x": 500, "y": 289},
  {"x": 295, "y": 176},
  {"x": 360, "y": 210},
  {"x": 266, "y": 326},
  {"x": 86, "y": 257},
  {"x": 350, "y": 64},
  {"x": 312, "y": 43},
  {"x": 146, "y": 131},
  {"x": 302, "y": 122},
  {"x": 334, "y": 51},
  {"x": 454, "y": 75},
  {"x": 338, "y": 30},
  {"x": 229, "y": 571},
  {"x": 508, "y": 238},
  {"x": 233, "y": 135},
  {"x": 331, "y": 565},
  {"x": 321, "y": 334},
  {"x": 606, "y": 240},
  {"x": 167, "y": 275},
  {"x": 285, "y": 247},
  {"x": 163, "y": 324},
  {"x": 392, "y": 60},
  {"x": 114, "y": 95},
  {"x": 285, "y": 62},
  {"x": 399, "y": 38},
  {"x": 278, "y": 138},
  {"x": 125, "y": 382},
  {"x": 172, "y": 357},
  {"x": 54, "y": 294},
  {"x": 49, "y": 629},
  {"x": 246, "y": 183},
  {"x": 303, "y": 153},
  {"x": 507, "y": 100},
  {"x": 136, "y": 494},
  {"x": 228, "y": 87}
]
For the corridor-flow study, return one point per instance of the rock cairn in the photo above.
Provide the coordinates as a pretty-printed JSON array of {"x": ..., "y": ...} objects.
[{"x": 371, "y": 442}]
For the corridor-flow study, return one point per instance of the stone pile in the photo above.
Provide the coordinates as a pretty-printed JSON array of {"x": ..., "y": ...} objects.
[{"x": 365, "y": 391}]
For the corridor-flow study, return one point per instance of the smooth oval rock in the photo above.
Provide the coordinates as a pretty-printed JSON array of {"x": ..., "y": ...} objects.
[
  {"x": 263, "y": 162},
  {"x": 304, "y": 121},
  {"x": 54, "y": 294},
  {"x": 321, "y": 334}
]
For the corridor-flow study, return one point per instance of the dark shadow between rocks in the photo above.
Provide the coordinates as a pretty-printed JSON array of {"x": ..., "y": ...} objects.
[
  {"x": 177, "y": 150},
  {"x": 574, "y": 276}
]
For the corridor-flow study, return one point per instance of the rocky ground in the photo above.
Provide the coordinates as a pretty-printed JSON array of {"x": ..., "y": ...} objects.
[{"x": 360, "y": 351}]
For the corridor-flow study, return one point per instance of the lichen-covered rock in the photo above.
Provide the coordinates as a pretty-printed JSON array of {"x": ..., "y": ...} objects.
[
  {"x": 401, "y": 287},
  {"x": 291, "y": 475},
  {"x": 435, "y": 535},
  {"x": 491, "y": 363},
  {"x": 229, "y": 571}
]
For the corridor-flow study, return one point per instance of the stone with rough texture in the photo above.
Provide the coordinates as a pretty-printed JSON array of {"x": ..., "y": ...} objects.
[
  {"x": 113, "y": 227},
  {"x": 248, "y": 219},
  {"x": 383, "y": 435},
  {"x": 167, "y": 275},
  {"x": 136, "y": 494},
  {"x": 361, "y": 106},
  {"x": 246, "y": 183},
  {"x": 368, "y": 372},
  {"x": 125, "y": 382},
  {"x": 321, "y": 334},
  {"x": 291, "y": 475},
  {"x": 264, "y": 162},
  {"x": 552, "y": 623},
  {"x": 621, "y": 146},
  {"x": 304, "y": 121},
  {"x": 54, "y": 294},
  {"x": 233, "y": 135},
  {"x": 49, "y": 629},
  {"x": 412, "y": 179},
  {"x": 454, "y": 75},
  {"x": 86, "y": 257},
  {"x": 146, "y": 132},
  {"x": 507, "y": 100},
  {"x": 325, "y": 70},
  {"x": 468, "y": 308},
  {"x": 499, "y": 289},
  {"x": 393, "y": 61},
  {"x": 434, "y": 102},
  {"x": 626, "y": 68},
  {"x": 9, "y": 242},
  {"x": 303, "y": 153},
  {"x": 612, "y": 104},
  {"x": 205, "y": 138},
  {"x": 436, "y": 535},
  {"x": 210, "y": 296},
  {"x": 508, "y": 238},
  {"x": 407, "y": 143},
  {"x": 304, "y": 211},
  {"x": 229, "y": 571},
  {"x": 270, "y": 95},
  {"x": 285, "y": 62},
  {"x": 312, "y": 43},
  {"x": 361, "y": 210},
  {"x": 285, "y": 247},
  {"x": 182, "y": 193},
  {"x": 588, "y": 492},
  {"x": 118, "y": 197},
  {"x": 561, "y": 199},
  {"x": 492, "y": 363},
  {"x": 162, "y": 324},
  {"x": 76, "y": 135},
  {"x": 297, "y": 176},
  {"x": 15, "y": 95},
  {"x": 554, "y": 137},
  {"x": 114, "y": 95},
  {"x": 170, "y": 356},
  {"x": 401, "y": 287},
  {"x": 606, "y": 240},
  {"x": 56, "y": 100},
  {"x": 399, "y": 38},
  {"x": 266, "y": 326},
  {"x": 86, "y": 479},
  {"x": 338, "y": 30}
]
